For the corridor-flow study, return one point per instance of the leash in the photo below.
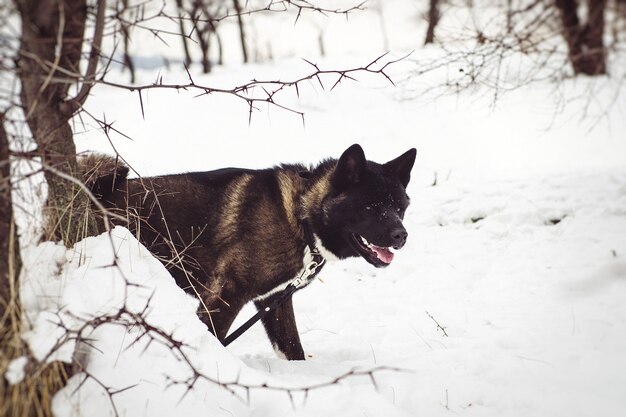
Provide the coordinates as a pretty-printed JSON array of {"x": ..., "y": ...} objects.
[{"x": 308, "y": 275}]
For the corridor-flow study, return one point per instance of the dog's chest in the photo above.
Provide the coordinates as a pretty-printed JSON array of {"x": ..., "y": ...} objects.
[{"x": 307, "y": 259}]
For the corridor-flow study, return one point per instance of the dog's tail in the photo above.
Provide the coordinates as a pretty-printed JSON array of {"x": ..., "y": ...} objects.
[{"x": 102, "y": 174}]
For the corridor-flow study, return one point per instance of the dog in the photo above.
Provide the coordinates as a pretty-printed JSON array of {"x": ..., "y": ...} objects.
[{"x": 235, "y": 235}]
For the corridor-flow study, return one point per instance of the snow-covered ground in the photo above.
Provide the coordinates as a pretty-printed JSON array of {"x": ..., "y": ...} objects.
[{"x": 517, "y": 249}]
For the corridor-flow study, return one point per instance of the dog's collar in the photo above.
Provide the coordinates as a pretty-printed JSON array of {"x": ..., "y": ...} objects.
[
  {"x": 308, "y": 274},
  {"x": 317, "y": 259}
]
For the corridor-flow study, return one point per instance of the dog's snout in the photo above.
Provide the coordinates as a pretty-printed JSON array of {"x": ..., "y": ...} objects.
[{"x": 399, "y": 235}]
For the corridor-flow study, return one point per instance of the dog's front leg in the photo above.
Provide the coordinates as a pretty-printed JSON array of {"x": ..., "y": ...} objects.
[{"x": 280, "y": 326}]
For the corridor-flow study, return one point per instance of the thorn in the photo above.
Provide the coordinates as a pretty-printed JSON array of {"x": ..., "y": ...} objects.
[
  {"x": 310, "y": 63},
  {"x": 388, "y": 78},
  {"x": 141, "y": 103},
  {"x": 122, "y": 389},
  {"x": 188, "y": 74},
  {"x": 374, "y": 381},
  {"x": 337, "y": 82},
  {"x": 297, "y": 17},
  {"x": 377, "y": 59},
  {"x": 306, "y": 396},
  {"x": 320, "y": 81}
]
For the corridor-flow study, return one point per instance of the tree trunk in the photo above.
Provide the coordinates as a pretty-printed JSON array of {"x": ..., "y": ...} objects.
[
  {"x": 433, "y": 19},
  {"x": 586, "y": 51},
  {"x": 220, "y": 50},
  {"x": 128, "y": 61},
  {"x": 205, "y": 43},
  {"x": 47, "y": 113},
  {"x": 593, "y": 32},
  {"x": 183, "y": 33},
  {"x": 204, "y": 36},
  {"x": 242, "y": 33}
]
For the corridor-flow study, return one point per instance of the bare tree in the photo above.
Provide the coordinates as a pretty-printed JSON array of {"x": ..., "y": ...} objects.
[
  {"x": 433, "y": 19},
  {"x": 242, "y": 33},
  {"x": 183, "y": 31},
  {"x": 205, "y": 29},
  {"x": 524, "y": 41},
  {"x": 204, "y": 16},
  {"x": 126, "y": 28},
  {"x": 586, "y": 51},
  {"x": 52, "y": 35}
]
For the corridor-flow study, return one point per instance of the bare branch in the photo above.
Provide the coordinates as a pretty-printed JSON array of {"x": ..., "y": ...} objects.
[
  {"x": 269, "y": 88},
  {"x": 439, "y": 326},
  {"x": 94, "y": 55}
]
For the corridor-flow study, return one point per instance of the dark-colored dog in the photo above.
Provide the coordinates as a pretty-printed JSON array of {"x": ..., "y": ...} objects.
[{"x": 233, "y": 235}]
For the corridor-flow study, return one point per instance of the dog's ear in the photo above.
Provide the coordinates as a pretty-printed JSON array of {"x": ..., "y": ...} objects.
[
  {"x": 107, "y": 182},
  {"x": 350, "y": 167},
  {"x": 401, "y": 166}
]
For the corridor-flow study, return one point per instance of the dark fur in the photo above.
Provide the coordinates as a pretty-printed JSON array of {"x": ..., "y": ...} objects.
[{"x": 233, "y": 235}]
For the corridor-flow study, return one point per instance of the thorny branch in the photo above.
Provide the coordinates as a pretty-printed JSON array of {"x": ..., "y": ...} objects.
[
  {"x": 128, "y": 318},
  {"x": 252, "y": 92},
  {"x": 144, "y": 16},
  {"x": 271, "y": 6}
]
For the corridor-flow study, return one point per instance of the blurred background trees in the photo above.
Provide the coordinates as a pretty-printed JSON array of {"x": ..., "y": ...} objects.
[{"x": 506, "y": 44}]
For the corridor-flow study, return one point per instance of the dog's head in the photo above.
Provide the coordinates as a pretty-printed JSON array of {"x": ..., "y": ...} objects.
[{"x": 366, "y": 204}]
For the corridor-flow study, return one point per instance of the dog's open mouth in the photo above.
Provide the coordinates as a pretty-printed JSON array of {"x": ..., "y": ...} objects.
[{"x": 376, "y": 255}]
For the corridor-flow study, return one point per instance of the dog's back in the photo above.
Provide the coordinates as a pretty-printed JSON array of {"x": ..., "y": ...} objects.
[{"x": 229, "y": 235}]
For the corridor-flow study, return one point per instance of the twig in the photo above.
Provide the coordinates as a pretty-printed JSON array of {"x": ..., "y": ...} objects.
[
  {"x": 94, "y": 55},
  {"x": 439, "y": 326}
]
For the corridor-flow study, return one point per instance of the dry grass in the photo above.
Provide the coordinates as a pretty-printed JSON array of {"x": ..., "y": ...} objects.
[
  {"x": 57, "y": 226},
  {"x": 72, "y": 213},
  {"x": 31, "y": 397}
]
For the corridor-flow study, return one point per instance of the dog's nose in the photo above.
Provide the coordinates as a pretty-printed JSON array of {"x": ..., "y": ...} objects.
[{"x": 398, "y": 237}]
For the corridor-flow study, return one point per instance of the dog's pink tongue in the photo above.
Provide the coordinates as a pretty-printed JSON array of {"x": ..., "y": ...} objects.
[{"x": 383, "y": 254}]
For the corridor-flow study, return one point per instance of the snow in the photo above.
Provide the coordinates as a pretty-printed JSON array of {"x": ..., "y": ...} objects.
[
  {"x": 518, "y": 250},
  {"x": 15, "y": 371}
]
